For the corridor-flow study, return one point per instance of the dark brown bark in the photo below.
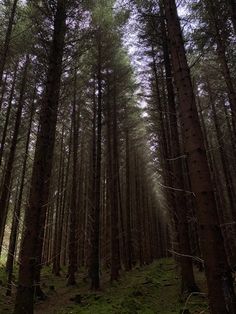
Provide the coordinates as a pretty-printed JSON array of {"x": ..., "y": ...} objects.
[
  {"x": 188, "y": 283},
  {"x": 129, "y": 247},
  {"x": 17, "y": 211},
  {"x": 221, "y": 51},
  {"x": 9, "y": 167},
  {"x": 4, "y": 133},
  {"x": 95, "y": 232},
  {"x": 36, "y": 209},
  {"x": 73, "y": 206},
  {"x": 59, "y": 214},
  {"x": 223, "y": 157},
  {"x": 232, "y": 8},
  {"x": 7, "y": 40},
  {"x": 114, "y": 201},
  {"x": 217, "y": 272}
]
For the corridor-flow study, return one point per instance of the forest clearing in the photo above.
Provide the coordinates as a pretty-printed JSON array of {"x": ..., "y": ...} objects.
[{"x": 117, "y": 156}]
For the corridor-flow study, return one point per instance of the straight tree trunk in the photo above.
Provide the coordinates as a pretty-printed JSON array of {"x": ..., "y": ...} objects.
[
  {"x": 9, "y": 167},
  {"x": 115, "y": 249},
  {"x": 35, "y": 214},
  {"x": 59, "y": 212},
  {"x": 219, "y": 279},
  {"x": 211, "y": 7},
  {"x": 188, "y": 283},
  {"x": 232, "y": 7},
  {"x": 7, "y": 40},
  {"x": 223, "y": 158},
  {"x": 129, "y": 248},
  {"x": 17, "y": 211},
  {"x": 73, "y": 206},
  {"x": 9, "y": 106},
  {"x": 95, "y": 232}
]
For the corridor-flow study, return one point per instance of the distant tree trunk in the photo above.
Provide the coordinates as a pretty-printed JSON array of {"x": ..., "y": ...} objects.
[
  {"x": 9, "y": 106},
  {"x": 139, "y": 210},
  {"x": 3, "y": 90},
  {"x": 95, "y": 232},
  {"x": 223, "y": 158},
  {"x": 231, "y": 133},
  {"x": 17, "y": 211},
  {"x": 115, "y": 249},
  {"x": 4, "y": 53},
  {"x": 58, "y": 216},
  {"x": 36, "y": 209},
  {"x": 221, "y": 51},
  {"x": 66, "y": 198},
  {"x": 73, "y": 206},
  {"x": 9, "y": 167},
  {"x": 232, "y": 7},
  {"x": 219, "y": 280},
  {"x": 128, "y": 201}
]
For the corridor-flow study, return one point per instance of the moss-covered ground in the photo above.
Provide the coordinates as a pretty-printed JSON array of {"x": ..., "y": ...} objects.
[{"x": 148, "y": 290}]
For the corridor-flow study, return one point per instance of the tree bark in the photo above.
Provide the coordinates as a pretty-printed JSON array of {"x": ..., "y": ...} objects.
[
  {"x": 4, "y": 133},
  {"x": 73, "y": 206},
  {"x": 30, "y": 259},
  {"x": 219, "y": 279},
  {"x": 232, "y": 7},
  {"x": 7, "y": 39},
  {"x": 9, "y": 167},
  {"x": 17, "y": 211},
  {"x": 188, "y": 283},
  {"x": 95, "y": 233}
]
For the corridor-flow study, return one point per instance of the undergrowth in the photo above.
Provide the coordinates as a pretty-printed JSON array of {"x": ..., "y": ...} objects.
[{"x": 147, "y": 290}]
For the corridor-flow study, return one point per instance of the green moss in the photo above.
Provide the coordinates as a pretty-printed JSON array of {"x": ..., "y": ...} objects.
[
  {"x": 148, "y": 290},
  {"x": 153, "y": 289}
]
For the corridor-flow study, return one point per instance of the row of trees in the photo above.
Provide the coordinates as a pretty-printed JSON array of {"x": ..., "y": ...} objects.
[
  {"x": 78, "y": 185},
  {"x": 80, "y": 168},
  {"x": 192, "y": 128}
]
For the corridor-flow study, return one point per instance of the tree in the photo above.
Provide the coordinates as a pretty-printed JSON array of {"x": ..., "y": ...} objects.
[
  {"x": 38, "y": 199},
  {"x": 7, "y": 39},
  {"x": 217, "y": 271}
]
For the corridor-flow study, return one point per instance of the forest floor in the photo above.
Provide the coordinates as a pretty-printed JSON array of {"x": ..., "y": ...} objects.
[{"x": 148, "y": 290}]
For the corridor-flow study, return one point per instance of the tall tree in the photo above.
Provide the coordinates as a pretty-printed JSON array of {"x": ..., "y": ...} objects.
[
  {"x": 35, "y": 213},
  {"x": 217, "y": 271},
  {"x": 7, "y": 40}
]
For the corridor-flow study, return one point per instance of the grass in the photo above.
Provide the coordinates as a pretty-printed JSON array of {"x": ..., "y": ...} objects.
[{"x": 148, "y": 290}]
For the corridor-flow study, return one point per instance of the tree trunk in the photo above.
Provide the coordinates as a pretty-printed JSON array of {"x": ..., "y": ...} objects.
[
  {"x": 232, "y": 7},
  {"x": 129, "y": 247},
  {"x": 95, "y": 232},
  {"x": 115, "y": 249},
  {"x": 9, "y": 167},
  {"x": 219, "y": 280},
  {"x": 3, "y": 90},
  {"x": 38, "y": 199},
  {"x": 188, "y": 283},
  {"x": 17, "y": 211},
  {"x": 7, "y": 40},
  {"x": 221, "y": 51},
  {"x": 73, "y": 206},
  {"x": 4, "y": 133}
]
